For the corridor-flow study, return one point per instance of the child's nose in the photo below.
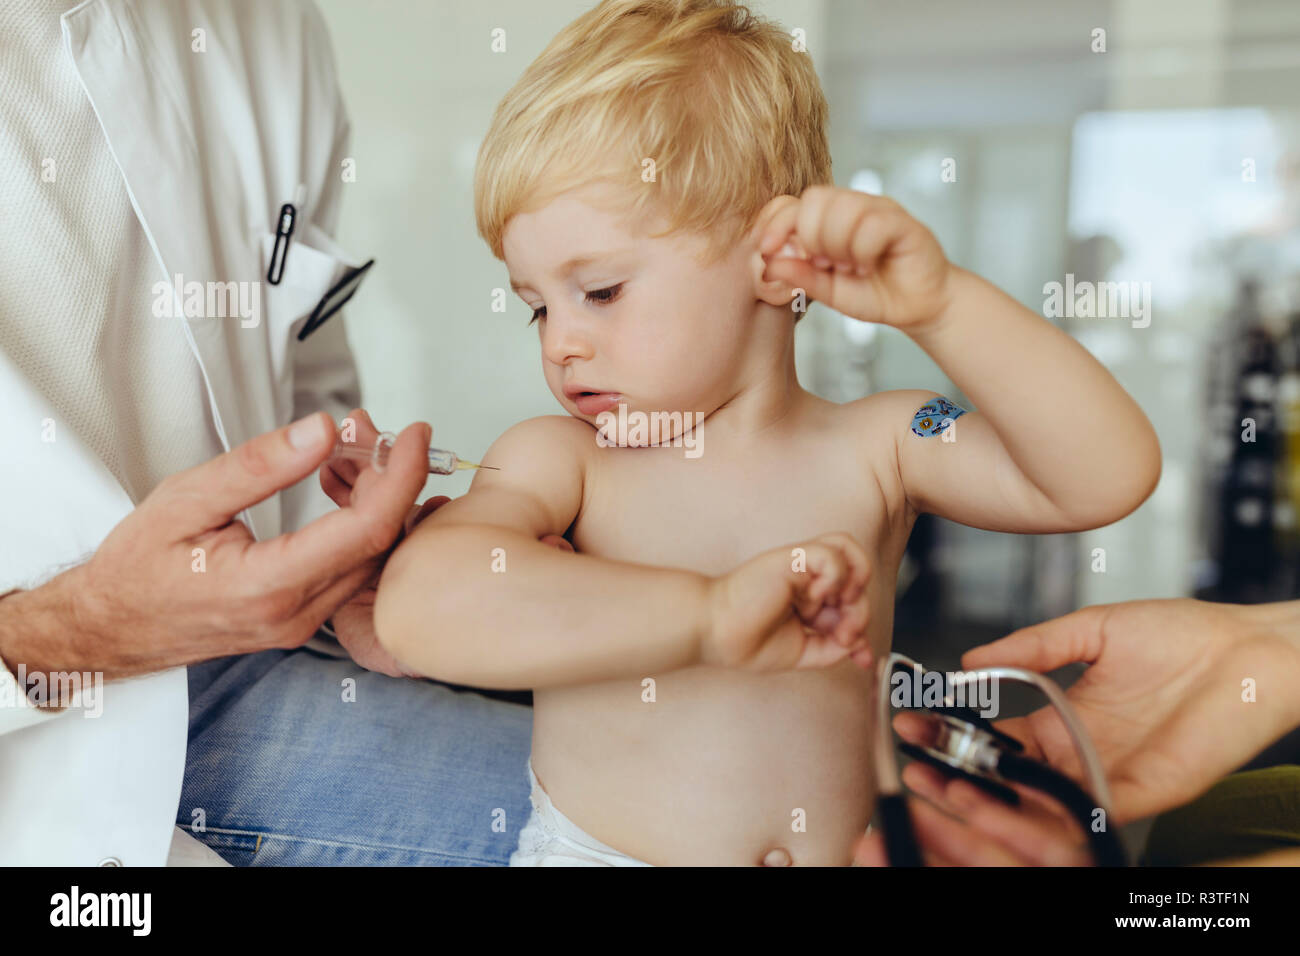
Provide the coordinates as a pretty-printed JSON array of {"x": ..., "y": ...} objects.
[{"x": 563, "y": 341}]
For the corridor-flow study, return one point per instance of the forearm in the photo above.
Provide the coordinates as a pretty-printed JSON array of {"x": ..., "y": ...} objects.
[
  {"x": 1278, "y": 625},
  {"x": 542, "y": 618},
  {"x": 1069, "y": 427},
  {"x": 50, "y": 630},
  {"x": 38, "y": 631}
]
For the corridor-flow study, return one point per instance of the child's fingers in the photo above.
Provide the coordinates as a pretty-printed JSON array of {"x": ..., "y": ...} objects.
[
  {"x": 848, "y": 593},
  {"x": 846, "y": 230},
  {"x": 851, "y": 628},
  {"x": 835, "y": 568},
  {"x": 855, "y": 582},
  {"x": 827, "y": 621},
  {"x": 780, "y": 226},
  {"x": 819, "y": 651},
  {"x": 815, "y": 204},
  {"x": 826, "y": 569},
  {"x": 874, "y": 235},
  {"x": 844, "y": 215},
  {"x": 817, "y": 284}
]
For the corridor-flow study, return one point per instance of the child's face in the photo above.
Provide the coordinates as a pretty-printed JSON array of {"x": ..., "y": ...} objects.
[{"x": 642, "y": 322}]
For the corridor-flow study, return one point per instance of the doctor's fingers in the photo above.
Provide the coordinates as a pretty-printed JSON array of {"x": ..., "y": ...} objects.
[
  {"x": 209, "y": 495},
  {"x": 294, "y": 613},
  {"x": 356, "y": 428},
  {"x": 338, "y": 489},
  {"x": 321, "y": 607},
  {"x": 1046, "y": 738},
  {"x": 1077, "y": 636},
  {"x": 334, "y": 544},
  {"x": 942, "y": 841},
  {"x": 1038, "y": 837},
  {"x": 1036, "y": 814}
]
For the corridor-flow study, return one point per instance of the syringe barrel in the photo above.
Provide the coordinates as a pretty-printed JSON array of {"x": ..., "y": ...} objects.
[{"x": 441, "y": 462}]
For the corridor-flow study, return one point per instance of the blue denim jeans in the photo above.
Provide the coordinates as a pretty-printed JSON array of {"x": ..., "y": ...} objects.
[{"x": 282, "y": 770}]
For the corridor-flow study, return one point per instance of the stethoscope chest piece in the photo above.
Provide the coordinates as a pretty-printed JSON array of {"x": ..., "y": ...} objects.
[
  {"x": 967, "y": 750},
  {"x": 963, "y": 742}
]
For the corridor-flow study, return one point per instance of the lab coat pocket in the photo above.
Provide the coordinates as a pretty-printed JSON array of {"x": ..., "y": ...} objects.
[{"x": 312, "y": 265}]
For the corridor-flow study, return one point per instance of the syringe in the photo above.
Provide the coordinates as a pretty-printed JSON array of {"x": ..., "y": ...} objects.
[{"x": 441, "y": 461}]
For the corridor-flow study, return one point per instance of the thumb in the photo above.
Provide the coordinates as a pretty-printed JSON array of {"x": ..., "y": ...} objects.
[
  {"x": 1044, "y": 647},
  {"x": 211, "y": 494},
  {"x": 800, "y": 274}
]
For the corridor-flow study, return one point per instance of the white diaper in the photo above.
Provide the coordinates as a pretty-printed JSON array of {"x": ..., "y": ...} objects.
[{"x": 552, "y": 839}]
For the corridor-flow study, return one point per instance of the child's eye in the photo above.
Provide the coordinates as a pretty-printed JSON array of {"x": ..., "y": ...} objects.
[
  {"x": 598, "y": 296},
  {"x": 605, "y": 296}
]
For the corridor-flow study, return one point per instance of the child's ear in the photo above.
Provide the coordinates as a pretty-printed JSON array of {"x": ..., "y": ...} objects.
[{"x": 772, "y": 291}]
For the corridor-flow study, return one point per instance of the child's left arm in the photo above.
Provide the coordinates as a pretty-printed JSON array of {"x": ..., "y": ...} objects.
[{"x": 1057, "y": 444}]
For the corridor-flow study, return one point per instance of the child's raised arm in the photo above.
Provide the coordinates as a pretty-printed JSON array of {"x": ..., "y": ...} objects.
[
  {"x": 1057, "y": 444},
  {"x": 473, "y": 597}
]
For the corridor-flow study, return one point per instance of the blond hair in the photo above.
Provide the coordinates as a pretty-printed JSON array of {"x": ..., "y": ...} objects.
[{"x": 716, "y": 97}]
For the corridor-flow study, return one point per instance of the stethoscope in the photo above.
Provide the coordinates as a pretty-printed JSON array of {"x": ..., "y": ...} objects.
[{"x": 969, "y": 746}]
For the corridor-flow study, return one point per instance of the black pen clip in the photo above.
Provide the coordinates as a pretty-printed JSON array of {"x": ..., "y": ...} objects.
[
  {"x": 280, "y": 251},
  {"x": 335, "y": 299}
]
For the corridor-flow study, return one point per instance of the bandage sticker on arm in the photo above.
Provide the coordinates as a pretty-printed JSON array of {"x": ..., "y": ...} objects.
[{"x": 935, "y": 417}]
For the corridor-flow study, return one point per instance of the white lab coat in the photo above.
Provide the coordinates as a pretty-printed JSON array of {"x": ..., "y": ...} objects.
[{"x": 210, "y": 144}]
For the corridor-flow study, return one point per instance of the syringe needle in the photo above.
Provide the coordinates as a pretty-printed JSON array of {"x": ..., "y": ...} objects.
[{"x": 441, "y": 461}]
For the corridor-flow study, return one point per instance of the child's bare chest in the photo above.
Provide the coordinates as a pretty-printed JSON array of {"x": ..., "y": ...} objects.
[{"x": 710, "y": 514}]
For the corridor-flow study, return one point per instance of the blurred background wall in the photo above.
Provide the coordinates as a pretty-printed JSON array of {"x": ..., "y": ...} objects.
[{"x": 1162, "y": 150}]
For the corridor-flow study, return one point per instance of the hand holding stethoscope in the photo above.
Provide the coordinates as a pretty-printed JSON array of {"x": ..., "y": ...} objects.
[{"x": 1162, "y": 702}]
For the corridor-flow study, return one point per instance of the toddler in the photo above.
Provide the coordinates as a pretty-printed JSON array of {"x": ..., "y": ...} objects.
[{"x": 658, "y": 185}]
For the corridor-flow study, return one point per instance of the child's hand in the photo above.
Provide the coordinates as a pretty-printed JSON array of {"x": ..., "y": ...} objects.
[
  {"x": 801, "y": 606},
  {"x": 859, "y": 254}
]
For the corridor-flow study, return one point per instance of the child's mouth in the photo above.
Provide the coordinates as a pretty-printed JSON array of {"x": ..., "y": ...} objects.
[
  {"x": 590, "y": 401},
  {"x": 593, "y": 403}
]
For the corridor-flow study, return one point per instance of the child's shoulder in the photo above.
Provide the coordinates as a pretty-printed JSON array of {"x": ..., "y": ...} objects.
[
  {"x": 897, "y": 412},
  {"x": 548, "y": 428},
  {"x": 553, "y": 439}
]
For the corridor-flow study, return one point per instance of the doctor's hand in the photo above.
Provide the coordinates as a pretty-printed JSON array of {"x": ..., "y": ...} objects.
[
  {"x": 1178, "y": 694},
  {"x": 181, "y": 579},
  {"x": 958, "y": 824},
  {"x": 345, "y": 481},
  {"x": 1165, "y": 702}
]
